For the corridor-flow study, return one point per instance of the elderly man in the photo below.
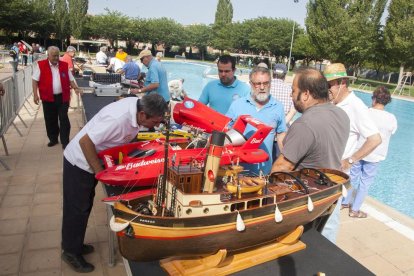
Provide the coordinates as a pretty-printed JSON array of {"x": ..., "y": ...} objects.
[
  {"x": 52, "y": 81},
  {"x": 130, "y": 69},
  {"x": 156, "y": 77},
  {"x": 361, "y": 125},
  {"x": 101, "y": 57},
  {"x": 115, "y": 124},
  {"x": 219, "y": 94},
  {"x": 260, "y": 105},
  {"x": 68, "y": 58}
]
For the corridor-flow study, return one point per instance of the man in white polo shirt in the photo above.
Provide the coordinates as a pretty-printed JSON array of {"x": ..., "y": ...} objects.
[
  {"x": 116, "y": 124},
  {"x": 361, "y": 125}
]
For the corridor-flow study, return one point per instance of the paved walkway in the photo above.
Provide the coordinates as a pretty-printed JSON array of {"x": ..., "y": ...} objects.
[{"x": 30, "y": 215}]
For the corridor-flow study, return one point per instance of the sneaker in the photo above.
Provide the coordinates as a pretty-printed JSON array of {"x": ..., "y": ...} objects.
[
  {"x": 87, "y": 249},
  {"x": 77, "y": 263},
  {"x": 52, "y": 143}
]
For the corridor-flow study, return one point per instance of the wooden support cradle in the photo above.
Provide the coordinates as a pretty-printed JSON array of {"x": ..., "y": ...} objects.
[{"x": 221, "y": 264}]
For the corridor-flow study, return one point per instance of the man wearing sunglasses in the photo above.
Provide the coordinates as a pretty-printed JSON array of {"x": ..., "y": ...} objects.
[
  {"x": 156, "y": 77},
  {"x": 361, "y": 125}
]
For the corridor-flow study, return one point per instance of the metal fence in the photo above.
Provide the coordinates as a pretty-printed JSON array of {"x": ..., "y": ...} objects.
[{"x": 18, "y": 88}]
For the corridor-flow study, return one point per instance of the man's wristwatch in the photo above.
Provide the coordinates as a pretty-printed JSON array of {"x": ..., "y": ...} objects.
[{"x": 350, "y": 160}]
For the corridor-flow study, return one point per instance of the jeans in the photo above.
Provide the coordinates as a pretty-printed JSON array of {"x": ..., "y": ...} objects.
[
  {"x": 362, "y": 175},
  {"x": 330, "y": 230}
]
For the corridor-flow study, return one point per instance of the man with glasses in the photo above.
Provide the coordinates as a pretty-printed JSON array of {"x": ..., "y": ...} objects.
[
  {"x": 361, "y": 125},
  {"x": 219, "y": 94},
  {"x": 116, "y": 124},
  {"x": 260, "y": 105},
  {"x": 156, "y": 77}
]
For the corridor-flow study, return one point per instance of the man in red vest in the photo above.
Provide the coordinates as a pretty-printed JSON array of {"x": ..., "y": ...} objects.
[{"x": 52, "y": 82}]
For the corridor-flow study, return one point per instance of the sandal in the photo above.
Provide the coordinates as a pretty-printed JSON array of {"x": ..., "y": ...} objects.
[
  {"x": 357, "y": 214},
  {"x": 345, "y": 206}
]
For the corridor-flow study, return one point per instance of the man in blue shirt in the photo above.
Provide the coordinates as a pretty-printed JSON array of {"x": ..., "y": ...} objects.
[
  {"x": 130, "y": 69},
  {"x": 260, "y": 105},
  {"x": 219, "y": 94},
  {"x": 156, "y": 77}
]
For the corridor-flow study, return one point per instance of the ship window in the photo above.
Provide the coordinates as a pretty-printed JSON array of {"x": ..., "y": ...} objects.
[
  {"x": 181, "y": 180},
  {"x": 226, "y": 208},
  {"x": 267, "y": 201},
  {"x": 253, "y": 203},
  {"x": 237, "y": 206},
  {"x": 188, "y": 179},
  {"x": 206, "y": 210},
  {"x": 189, "y": 211}
]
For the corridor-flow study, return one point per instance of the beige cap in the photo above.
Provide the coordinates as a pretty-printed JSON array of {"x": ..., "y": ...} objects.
[
  {"x": 144, "y": 53},
  {"x": 336, "y": 71}
]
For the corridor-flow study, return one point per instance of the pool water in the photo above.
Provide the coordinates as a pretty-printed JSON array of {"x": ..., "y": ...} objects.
[
  {"x": 192, "y": 73},
  {"x": 393, "y": 184}
]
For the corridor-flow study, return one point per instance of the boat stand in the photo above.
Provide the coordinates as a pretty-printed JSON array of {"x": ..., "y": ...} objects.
[{"x": 221, "y": 264}]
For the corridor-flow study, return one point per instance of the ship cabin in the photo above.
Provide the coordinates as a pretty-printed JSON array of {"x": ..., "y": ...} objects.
[{"x": 186, "y": 199}]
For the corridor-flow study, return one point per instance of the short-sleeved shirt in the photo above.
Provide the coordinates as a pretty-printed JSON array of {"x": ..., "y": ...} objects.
[
  {"x": 101, "y": 58},
  {"x": 115, "y": 124},
  {"x": 219, "y": 97},
  {"x": 360, "y": 122},
  {"x": 271, "y": 114},
  {"x": 282, "y": 92},
  {"x": 68, "y": 59},
  {"x": 318, "y": 138},
  {"x": 121, "y": 56},
  {"x": 131, "y": 70},
  {"x": 387, "y": 126},
  {"x": 116, "y": 63},
  {"x": 157, "y": 74},
  {"x": 56, "y": 84}
]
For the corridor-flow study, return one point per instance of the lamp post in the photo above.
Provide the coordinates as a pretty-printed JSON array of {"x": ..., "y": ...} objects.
[{"x": 291, "y": 44}]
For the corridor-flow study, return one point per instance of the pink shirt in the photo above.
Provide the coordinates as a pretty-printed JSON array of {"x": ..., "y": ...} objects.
[{"x": 68, "y": 59}]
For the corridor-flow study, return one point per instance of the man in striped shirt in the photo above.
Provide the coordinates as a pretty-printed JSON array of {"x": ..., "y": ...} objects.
[{"x": 282, "y": 92}]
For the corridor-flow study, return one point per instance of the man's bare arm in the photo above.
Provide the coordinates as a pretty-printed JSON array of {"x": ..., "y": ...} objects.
[
  {"x": 282, "y": 164},
  {"x": 89, "y": 150},
  {"x": 370, "y": 144}
]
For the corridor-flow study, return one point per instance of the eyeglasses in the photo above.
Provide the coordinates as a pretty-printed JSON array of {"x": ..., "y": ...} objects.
[{"x": 259, "y": 84}]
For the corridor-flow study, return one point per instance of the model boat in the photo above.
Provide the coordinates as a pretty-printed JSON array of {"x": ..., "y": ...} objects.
[
  {"x": 140, "y": 163},
  {"x": 199, "y": 210}
]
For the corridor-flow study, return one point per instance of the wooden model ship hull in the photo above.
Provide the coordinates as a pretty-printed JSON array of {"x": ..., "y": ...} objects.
[{"x": 154, "y": 237}]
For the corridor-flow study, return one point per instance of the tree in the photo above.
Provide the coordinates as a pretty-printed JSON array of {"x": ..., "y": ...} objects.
[
  {"x": 224, "y": 13},
  {"x": 16, "y": 16},
  {"x": 270, "y": 34},
  {"x": 399, "y": 35},
  {"x": 113, "y": 25},
  {"x": 77, "y": 15},
  {"x": 344, "y": 30},
  {"x": 303, "y": 48},
  {"x": 199, "y": 36},
  {"x": 61, "y": 19},
  {"x": 222, "y": 25}
]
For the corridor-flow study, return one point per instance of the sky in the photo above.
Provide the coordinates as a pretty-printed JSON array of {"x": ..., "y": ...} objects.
[{"x": 202, "y": 11}]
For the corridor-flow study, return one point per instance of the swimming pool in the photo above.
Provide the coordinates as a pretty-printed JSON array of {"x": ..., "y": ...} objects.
[{"x": 392, "y": 185}]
